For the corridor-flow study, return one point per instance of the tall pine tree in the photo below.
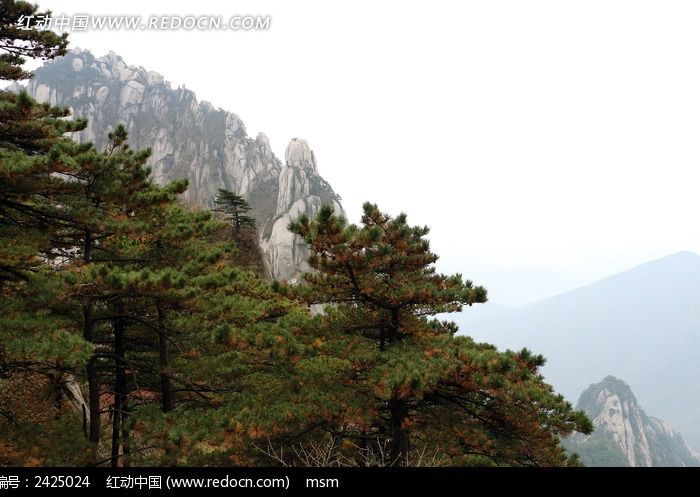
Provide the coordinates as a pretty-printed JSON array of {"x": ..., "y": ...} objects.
[
  {"x": 235, "y": 208},
  {"x": 392, "y": 377},
  {"x": 38, "y": 343}
]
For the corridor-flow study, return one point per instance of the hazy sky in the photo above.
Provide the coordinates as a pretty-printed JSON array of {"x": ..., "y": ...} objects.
[{"x": 546, "y": 143}]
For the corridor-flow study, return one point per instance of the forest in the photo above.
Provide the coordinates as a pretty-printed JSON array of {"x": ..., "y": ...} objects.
[{"x": 138, "y": 330}]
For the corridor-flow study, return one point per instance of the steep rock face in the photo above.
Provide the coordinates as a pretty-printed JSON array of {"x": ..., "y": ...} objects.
[
  {"x": 193, "y": 140},
  {"x": 624, "y": 435},
  {"x": 300, "y": 191}
]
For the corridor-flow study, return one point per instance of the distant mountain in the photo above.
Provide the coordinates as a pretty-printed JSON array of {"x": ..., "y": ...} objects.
[
  {"x": 642, "y": 325},
  {"x": 624, "y": 435},
  {"x": 192, "y": 139}
]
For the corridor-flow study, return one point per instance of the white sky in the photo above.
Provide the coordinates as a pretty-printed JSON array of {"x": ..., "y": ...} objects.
[{"x": 546, "y": 143}]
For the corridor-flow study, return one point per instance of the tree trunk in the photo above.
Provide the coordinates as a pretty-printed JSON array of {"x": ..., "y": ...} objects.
[
  {"x": 126, "y": 439},
  {"x": 120, "y": 389},
  {"x": 166, "y": 385},
  {"x": 92, "y": 378},
  {"x": 91, "y": 369},
  {"x": 398, "y": 408},
  {"x": 57, "y": 394},
  {"x": 71, "y": 390},
  {"x": 94, "y": 400},
  {"x": 399, "y": 433},
  {"x": 393, "y": 327}
]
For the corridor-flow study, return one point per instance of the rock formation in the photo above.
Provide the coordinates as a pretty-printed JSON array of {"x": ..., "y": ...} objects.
[
  {"x": 624, "y": 434},
  {"x": 191, "y": 139}
]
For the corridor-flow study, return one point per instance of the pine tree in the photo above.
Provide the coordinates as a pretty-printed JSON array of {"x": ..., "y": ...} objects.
[
  {"x": 114, "y": 205},
  {"x": 107, "y": 282},
  {"x": 21, "y": 36},
  {"x": 38, "y": 342},
  {"x": 235, "y": 357},
  {"x": 231, "y": 340},
  {"x": 235, "y": 208},
  {"x": 28, "y": 132},
  {"x": 150, "y": 276},
  {"x": 385, "y": 373},
  {"x": 181, "y": 248}
]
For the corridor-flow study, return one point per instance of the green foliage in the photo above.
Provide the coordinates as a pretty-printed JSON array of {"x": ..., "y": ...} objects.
[
  {"x": 37, "y": 427},
  {"x": 28, "y": 40},
  {"x": 599, "y": 449},
  {"x": 200, "y": 361},
  {"x": 186, "y": 355},
  {"x": 383, "y": 373},
  {"x": 235, "y": 208},
  {"x": 36, "y": 336}
]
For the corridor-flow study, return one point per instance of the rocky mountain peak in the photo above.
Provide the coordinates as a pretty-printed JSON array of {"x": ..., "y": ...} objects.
[
  {"x": 299, "y": 155},
  {"x": 193, "y": 140},
  {"x": 624, "y": 434},
  {"x": 264, "y": 143},
  {"x": 614, "y": 409},
  {"x": 300, "y": 190},
  {"x": 609, "y": 388}
]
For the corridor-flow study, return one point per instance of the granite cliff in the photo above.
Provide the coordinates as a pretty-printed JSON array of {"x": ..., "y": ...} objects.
[
  {"x": 194, "y": 140},
  {"x": 624, "y": 434}
]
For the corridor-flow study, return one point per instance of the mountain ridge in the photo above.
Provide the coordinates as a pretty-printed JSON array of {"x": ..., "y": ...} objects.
[
  {"x": 641, "y": 324},
  {"x": 191, "y": 139},
  {"x": 655, "y": 264}
]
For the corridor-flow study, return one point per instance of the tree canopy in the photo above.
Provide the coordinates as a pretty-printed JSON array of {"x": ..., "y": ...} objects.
[
  {"x": 394, "y": 379},
  {"x": 235, "y": 208},
  {"x": 25, "y": 34},
  {"x": 137, "y": 331}
]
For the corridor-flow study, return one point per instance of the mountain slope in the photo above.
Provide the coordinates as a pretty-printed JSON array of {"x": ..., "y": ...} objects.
[
  {"x": 624, "y": 435},
  {"x": 191, "y": 139},
  {"x": 642, "y": 325}
]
